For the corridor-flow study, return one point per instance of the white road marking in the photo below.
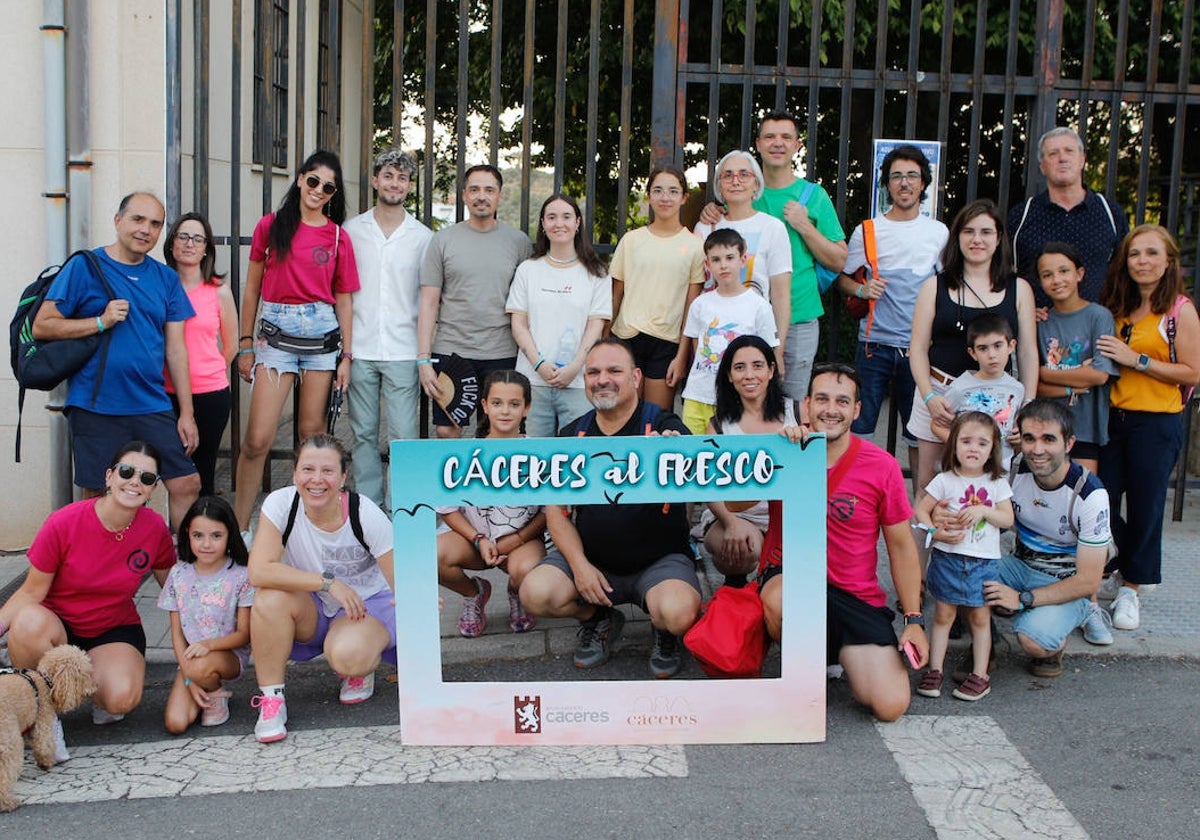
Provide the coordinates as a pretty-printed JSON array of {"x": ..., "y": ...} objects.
[
  {"x": 327, "y": 758},
  {"x": 973, "y": 783}
]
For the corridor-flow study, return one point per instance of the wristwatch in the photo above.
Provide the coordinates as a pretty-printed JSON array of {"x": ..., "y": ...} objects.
[
  {"x": 326, "y": 581},
  {"x": 1026, "y": 599},
  {"x": 1143, "y": 362},
  {"x": 914, "y": 618}
]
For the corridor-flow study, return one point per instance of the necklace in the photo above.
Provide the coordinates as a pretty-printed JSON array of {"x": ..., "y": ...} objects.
[
  {"x": 557, "y": 261},
  {"x": 962, "y": 302},
  {"x": 118, "y": 534}
]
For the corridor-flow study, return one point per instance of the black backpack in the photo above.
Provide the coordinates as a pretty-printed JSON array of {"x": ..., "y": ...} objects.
[{"x": 42, "y": 365}]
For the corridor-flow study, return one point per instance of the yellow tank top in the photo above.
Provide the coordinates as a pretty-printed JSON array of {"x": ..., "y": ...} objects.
[{"x": 1137, "y": 391}]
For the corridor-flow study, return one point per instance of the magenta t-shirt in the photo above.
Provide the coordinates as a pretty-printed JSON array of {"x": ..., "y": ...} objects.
[
  {"x": 871, "y": 496},
  {"x": 319, "y": 264},
  {"x": 95, "y": 574}
]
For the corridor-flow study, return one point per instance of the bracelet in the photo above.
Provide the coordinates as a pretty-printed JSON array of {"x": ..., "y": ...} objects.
[
  {"x": 348, "y": 356},
  {"x": 540, "y": 362},
  {"x": 245, "y": 351},
  {"x": 929, "y": 396},
  {"x": 475, "y": 542},
  {"x": 858, "y": 293},
  {"x": 99, "y": 323},
  {"x": 245, "y": 338},
  {"x": 424, "y": 361},
  {"x": 1068, "y": 387}
]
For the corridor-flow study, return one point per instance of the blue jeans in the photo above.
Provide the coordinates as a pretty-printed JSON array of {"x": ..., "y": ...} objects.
[
  {"x": 798, "y": 353},
  {"x": 553, "y": 408},
  {"x": 305, "y": 320},
  {"x": 395, "y": 386},
  {"x": 885, "y": 372},
  {"x": 1135, "y": 465},
  {"x": 1047, "y": 626}
]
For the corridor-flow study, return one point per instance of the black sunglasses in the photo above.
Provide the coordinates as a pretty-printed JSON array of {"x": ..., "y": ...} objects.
[
  {"x": 128, "y": 471},
  {"x": 327, "y": 187},
  {"x": 1127, "y": 333}
]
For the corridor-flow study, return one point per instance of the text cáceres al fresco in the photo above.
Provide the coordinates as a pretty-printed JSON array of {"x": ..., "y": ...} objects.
[{"x": 718, "y": 468}]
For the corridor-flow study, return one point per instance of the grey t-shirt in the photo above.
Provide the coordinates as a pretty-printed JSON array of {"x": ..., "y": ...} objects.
[
  {"x": 474, "y": 270},
  {"x": 1069, "y": 341}
]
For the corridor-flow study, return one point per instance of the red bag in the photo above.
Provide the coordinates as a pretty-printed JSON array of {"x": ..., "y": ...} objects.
[{"x": 730, "y": 639}]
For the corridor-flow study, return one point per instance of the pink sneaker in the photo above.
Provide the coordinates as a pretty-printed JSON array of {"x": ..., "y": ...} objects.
[
  {"x": 218, "y": 712},
  {"x": 357, "y": 689},
  {"x": 519, "y": 620},
  {"x": 473, "y": 620},
  {"x": 272, "y": 717}
]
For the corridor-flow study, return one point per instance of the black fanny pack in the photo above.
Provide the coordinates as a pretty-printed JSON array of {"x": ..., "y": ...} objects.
[{"x": 277, "y": 338}]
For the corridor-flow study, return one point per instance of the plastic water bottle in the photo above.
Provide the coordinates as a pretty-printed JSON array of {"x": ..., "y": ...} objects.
[{"x": 568, "y": 346}]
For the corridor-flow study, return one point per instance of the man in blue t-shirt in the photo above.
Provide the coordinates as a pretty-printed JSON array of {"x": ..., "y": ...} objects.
[{"x": 146, "y": 322}]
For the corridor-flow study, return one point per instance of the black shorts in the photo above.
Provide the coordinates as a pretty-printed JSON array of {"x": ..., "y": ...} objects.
[
  {"x": 852, "y": 621},
  {"x": 95, "y": 438},
  {"x": 652, "y": 355},
  {"x": 130, "y": 634},
  {"x": 482, "y": 368},
  {"x": 1086, "y": 449},
  {"x": 632, "y": 588}
]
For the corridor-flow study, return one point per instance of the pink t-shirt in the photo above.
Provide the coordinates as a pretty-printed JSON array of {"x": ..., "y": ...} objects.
[
  {"x": 319, "y": 264},
  {"x": 871, "y": 496},
  {"x": 206, "y": 365},
  {"x": 95, "y": 574}
]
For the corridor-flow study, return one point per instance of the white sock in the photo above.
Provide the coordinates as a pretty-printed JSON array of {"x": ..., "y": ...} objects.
[{"x": 268, "y": 690}]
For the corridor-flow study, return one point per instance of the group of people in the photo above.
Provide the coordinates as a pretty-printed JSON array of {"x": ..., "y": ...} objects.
[{"x": 994, "y": 337}]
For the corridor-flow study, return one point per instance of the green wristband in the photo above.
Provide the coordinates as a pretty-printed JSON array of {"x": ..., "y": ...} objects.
[
  {"x": 929, "y": 396},
  {"x": 99, "y": 323}
]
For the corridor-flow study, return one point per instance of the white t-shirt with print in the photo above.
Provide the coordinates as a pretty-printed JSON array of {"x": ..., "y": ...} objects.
[{"x": 714, "y": 321}]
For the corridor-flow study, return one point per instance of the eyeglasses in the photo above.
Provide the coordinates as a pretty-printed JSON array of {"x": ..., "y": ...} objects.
[
  {"x": 328, "y": 187},
  {"x": 736, "y": 175},
  {"x": 663, "y": 192},
  {"x": 897, "y": 177},
  {"x": 193, "y": 238},
  {"x": 128, "y": 471}
]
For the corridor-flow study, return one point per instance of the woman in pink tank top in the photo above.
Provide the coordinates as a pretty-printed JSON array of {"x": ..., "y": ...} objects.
[{"x": 211, "y": 336}]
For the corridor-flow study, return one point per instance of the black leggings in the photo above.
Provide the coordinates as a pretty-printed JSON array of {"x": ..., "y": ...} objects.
[{"x": 212, "y": 416}]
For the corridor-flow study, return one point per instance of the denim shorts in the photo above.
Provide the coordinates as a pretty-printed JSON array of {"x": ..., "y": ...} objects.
[
  {"x": 958, "y": 579},
  {"x": 1048, "y": 625},
  {"x": 306, "y": 320}
]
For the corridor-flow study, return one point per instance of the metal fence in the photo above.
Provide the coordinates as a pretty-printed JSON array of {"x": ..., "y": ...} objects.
[{"x": 597, "y": 91}]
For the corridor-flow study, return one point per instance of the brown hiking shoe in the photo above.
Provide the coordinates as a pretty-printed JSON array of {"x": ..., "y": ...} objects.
[{"x": 1047, "y": 666}]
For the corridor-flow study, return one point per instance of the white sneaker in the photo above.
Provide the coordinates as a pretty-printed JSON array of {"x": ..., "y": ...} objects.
[
  {"x": 103, "y": 717},
  {"x": 1097, "y": 626},
  {"x": 60, "y": 744},
  {"x": 1109, "y": 587},
  {"x": 1126, "y": 610},
  {"x": 272, "y": 717},
  {"x": 357, "y": 689}
]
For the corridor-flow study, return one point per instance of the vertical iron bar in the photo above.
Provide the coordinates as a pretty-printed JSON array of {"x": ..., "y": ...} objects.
[
  {"x": 843, "y": 164},
  {"x": 781, "y": 56},
  {"x": 881, "y": 31},
  {"x": 814, "y": 92},
  {"x": 1181, "y": 108},
  {"x": 1006, "y": 122},
  {"x": 494, "y": 116},
  {"x": 914, "y": 58},
  {"x": 266, "y": 132},
  {"x": 299, "y": 145},
  {"x": 1143, "y": 182},
  {"x": 1087, "y": 69},
  {"x": 431, "y": 106},
  {"x": 664, "y": 144},
  {"x": 944, "y": 68},
  {"x": 366, "y": 125},
  {"x": 1047, "y": 71},
  {"x": 398, "y": 74},
  {"x": 235, "y": 220},
  {"x": 1116, "y": 100},
  {"x": 593, "y": 106},
  {"x": 527, "y": 115},
  {"x": 560, "y": 92},
  {"x": 747, "y": 69},
  {"x": 981, "y": 16},
  {"x": 711, "y": 152},
  {"x": 200, "y": 105},
  {"x": 626, "y": 119},
  {"x": 463, "y": 98},
  {"x": 174, "y": 133}
]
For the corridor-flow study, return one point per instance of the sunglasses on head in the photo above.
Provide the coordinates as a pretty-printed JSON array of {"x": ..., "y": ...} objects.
[
  {"x": 327, "y": 187},
  {"x": 128, "y": 471}
]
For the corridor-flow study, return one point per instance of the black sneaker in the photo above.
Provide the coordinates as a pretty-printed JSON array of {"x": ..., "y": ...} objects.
[
  {"x": 598, "y": 636},
  {"x": 664, "y": 658}
]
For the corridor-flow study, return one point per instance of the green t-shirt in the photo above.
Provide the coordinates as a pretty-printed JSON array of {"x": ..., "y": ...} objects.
[{"x": 806, "y": 299}]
